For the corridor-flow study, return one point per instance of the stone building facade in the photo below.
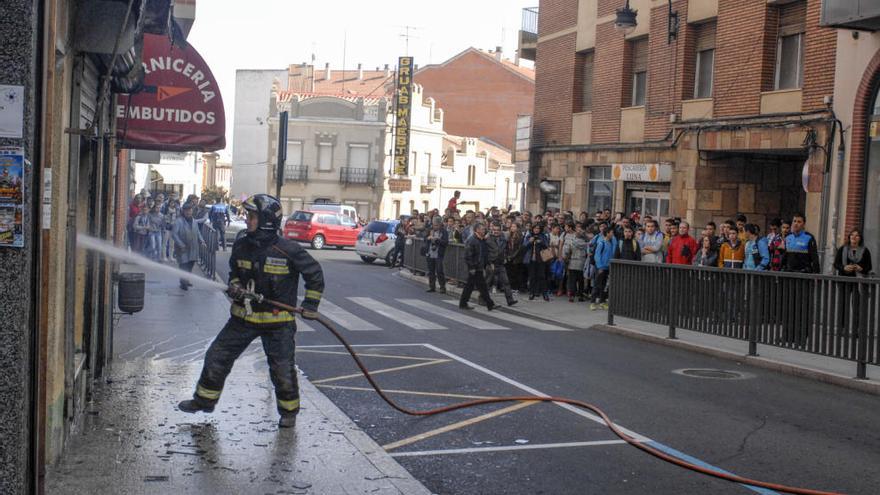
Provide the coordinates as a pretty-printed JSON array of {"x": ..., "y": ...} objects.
[{"x": 733, "y": 109}]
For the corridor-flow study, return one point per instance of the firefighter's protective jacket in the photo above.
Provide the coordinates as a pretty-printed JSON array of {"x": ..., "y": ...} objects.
[{"x": 274, "y": 265}]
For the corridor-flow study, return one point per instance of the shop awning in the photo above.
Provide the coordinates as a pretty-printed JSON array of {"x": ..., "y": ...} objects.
[{"x": 179, "y": 108}]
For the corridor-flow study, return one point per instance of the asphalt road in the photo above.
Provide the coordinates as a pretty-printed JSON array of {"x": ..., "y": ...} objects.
[{"x": 765, "y": 426}]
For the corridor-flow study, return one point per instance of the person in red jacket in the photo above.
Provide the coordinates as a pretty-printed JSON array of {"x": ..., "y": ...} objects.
[{"x": 682, "y": 247}]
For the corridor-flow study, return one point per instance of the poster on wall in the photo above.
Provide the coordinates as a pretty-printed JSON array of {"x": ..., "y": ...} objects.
[
  {"x": 11, "y": 197},
  {"x": 11, "y": 111}
]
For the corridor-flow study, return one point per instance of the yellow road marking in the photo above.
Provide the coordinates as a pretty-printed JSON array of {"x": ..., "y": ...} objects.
[
  {"x": 406, "y": 392},
  {"x": 377, "y": 372},
  {"x": 456, "y": 426},
  {"x": 315, "y": 351}
]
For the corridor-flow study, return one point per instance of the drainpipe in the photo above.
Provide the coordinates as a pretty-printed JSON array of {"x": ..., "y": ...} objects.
[
  {"x": 838, "y": 190},
  {"x": 826, "y": 191}
]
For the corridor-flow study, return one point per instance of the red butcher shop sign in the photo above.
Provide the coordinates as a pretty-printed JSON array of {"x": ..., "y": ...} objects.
[{"x": 179, "y": 107}]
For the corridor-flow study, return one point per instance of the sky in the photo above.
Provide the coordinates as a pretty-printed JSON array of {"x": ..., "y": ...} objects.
[{"x": 271, "y": 34}]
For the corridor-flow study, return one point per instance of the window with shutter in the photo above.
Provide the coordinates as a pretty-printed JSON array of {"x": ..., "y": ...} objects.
[
  {"x": 358, "y": 156},
  {"x": 790, "y": 46},
  {"x": 705, "y": 60},
  {"x": 639, "y": 54}
]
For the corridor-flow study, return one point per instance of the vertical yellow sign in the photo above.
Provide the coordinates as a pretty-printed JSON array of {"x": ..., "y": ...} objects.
[{"x": 402, "y": 109}]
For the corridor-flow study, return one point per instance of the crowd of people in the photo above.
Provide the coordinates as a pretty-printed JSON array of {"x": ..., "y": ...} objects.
[
  {"x": 569, "y": 255},
  {"x": 163, "y": 229}
]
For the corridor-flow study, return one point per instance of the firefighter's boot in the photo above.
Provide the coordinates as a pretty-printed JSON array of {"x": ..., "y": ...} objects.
[{"x": 194, "y": 406}]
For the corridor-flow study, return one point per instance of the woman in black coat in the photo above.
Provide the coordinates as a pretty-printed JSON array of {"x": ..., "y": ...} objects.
[{"x": 853, "y": 258}]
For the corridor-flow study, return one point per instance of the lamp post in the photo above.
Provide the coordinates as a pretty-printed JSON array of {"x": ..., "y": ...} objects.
[{"x": 626, "y": 22}]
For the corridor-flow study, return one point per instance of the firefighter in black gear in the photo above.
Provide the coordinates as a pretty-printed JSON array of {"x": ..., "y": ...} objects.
[{"x": 262, "y": 263}]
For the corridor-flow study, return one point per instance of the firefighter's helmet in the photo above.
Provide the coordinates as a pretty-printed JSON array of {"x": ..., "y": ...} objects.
[{"x": 268, "y": 210}]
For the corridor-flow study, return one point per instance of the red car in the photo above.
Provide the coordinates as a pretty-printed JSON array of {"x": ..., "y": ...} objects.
[{"x": 321, "y": 228}]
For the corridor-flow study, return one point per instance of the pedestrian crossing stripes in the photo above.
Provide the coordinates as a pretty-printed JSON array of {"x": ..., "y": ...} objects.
[
  {"x": 519, "y": 320},
  {"x": 345, "y": 319},
  {"x": 402, "y": 317},
  {"x": 456, "y": 316}
]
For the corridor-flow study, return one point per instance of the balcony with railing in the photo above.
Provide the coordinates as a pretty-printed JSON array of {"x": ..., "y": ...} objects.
[
  {"x": 357, "y": 176},
  {"x": 296, "y": 173},
  {"x": 528, "y": 33},
  {"x": 429, "y": 182}
]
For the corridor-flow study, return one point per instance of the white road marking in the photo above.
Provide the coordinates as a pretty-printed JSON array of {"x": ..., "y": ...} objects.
[
  {"x": 302, "y": 326},
  {"x": 397, "y": 315},
  {"x": 519, "y": 320},
  {"x": 526, "y": 388},
  {"x": 346, "y": 319},
  {"x": 457, "y": 316},
  {"x": 162, "y": 355},
  {"x": 327, "y": 346},
  {"x": 478, "y": 450}
]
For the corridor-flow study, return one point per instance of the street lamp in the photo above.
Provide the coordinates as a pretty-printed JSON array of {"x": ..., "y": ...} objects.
[{"x": 626, "y": 19}]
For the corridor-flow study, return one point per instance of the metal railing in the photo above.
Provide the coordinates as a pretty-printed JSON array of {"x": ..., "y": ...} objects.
[
  {"x": 454, "y": 267},
  {"x": 837, "y": 317},
  {"x": 819, "y": 314},
  {"x": 208, "y": 252},
  {"x": 530, "y": 22},
  {"x": 349, "y": 175},
  {"x": 296, "y": 173}
]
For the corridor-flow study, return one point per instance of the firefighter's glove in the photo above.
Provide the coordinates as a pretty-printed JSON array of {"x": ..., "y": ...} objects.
[
  {"x": 309, "y": 314},
  {"x": 236, "y": 291}
]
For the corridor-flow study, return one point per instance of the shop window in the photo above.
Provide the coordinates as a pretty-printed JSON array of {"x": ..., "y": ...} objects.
[
  {"x": 639, "y": 59},
  {"x": 705, "y": 60},
  {"x": 790, "y": 46},
  {"x": 600, "y": 189}
]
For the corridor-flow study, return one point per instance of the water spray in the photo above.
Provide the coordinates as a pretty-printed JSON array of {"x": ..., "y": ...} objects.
[{"x": 120, "y": 254}]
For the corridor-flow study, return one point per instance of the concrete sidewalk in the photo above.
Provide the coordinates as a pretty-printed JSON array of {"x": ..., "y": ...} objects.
[
  {"x": 578, "y": 315},
  {"x": 134, "y": 440}
]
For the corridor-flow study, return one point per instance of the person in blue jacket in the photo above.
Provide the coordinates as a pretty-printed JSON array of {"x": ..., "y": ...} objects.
[
  {"x": 602, "y": 256},
  {"x": 757, "y": 256}
]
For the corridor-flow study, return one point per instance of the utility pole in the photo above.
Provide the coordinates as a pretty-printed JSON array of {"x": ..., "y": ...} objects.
[{"x": 282, "y": 153}]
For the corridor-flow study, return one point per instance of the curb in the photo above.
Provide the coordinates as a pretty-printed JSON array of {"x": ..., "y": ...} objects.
[
  {"x": 376, "y": 455},
  {"x": 865, "y": 386}
]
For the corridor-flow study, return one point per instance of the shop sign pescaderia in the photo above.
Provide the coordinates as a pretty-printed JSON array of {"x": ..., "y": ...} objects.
[
  {"x": 641, "y": 172},
  {"x": 179, "y": 107}
]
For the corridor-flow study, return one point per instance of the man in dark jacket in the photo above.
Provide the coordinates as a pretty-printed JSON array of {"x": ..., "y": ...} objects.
[
  {"x": 435, "y": 249},
  {"x": 476, "y": 255},
  {"x": 628, "y": 247},
  {"x": 498, "y": 254},
  {"x": 266, "y": 264}
]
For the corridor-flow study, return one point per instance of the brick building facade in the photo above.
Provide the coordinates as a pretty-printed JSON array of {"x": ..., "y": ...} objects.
[
  {"x": 482, "y": 93},
  {"x": 731, "y": 110}
]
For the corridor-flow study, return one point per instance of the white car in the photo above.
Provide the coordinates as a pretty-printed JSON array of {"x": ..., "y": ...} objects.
[
  {"x": 236, "y": 226},
  {"x": 376, "y": 241}
]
